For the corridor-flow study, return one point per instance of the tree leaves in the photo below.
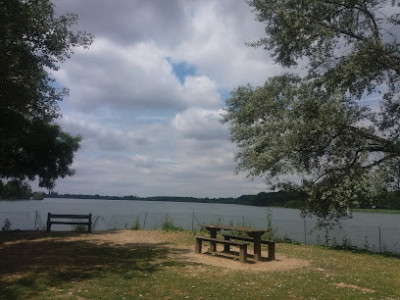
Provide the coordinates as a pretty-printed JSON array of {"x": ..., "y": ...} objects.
[
  {"x": 312, "y": 134},
  {"x": 34, "y": 41}
]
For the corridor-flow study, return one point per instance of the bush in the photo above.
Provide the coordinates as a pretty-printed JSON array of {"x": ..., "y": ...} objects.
[
  {"x": 168, "y": 225},
  {"x": 7, "y": 225},
  {"x": 80, "y": 228},
  {"x": 136, "y": 225}
]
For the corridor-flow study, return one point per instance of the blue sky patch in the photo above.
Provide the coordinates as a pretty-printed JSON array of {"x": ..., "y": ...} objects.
[{"x": 182, "y": 70}]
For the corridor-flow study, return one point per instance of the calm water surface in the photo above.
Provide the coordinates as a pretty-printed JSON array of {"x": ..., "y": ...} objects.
[{"x": 374, "y": 231}]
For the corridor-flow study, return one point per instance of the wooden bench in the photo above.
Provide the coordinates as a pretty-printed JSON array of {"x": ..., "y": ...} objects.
[
  {"x": 271, "y": 244},
  {"x": 71, "y": 220},
  {"x": 214, "y": 241}
]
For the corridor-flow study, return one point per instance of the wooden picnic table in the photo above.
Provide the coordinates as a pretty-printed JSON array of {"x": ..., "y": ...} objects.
[{"x": 255, "y": 234}]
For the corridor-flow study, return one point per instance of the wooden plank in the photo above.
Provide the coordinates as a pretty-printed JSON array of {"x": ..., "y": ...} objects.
[
  {"x": 69, "y": 223},
  {"x": 246, "y": 238},
  {"x": 233, "y": 243},
  {"x": 232, "y": 228},
  {"x": 57, "y": 216}
]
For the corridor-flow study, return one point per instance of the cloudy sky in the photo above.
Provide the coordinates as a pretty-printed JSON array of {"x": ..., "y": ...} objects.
[{"x": 148, "y": 95}]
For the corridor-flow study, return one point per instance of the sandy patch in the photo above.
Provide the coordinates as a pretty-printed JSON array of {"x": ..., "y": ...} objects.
[{"x": 185, "y": 253}]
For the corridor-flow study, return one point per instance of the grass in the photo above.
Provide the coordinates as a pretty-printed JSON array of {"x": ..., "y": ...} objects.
[{"x": 33, "y": 267}]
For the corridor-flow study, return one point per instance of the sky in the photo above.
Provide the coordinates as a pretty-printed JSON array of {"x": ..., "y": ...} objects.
[{"x": 148, "y": 94}]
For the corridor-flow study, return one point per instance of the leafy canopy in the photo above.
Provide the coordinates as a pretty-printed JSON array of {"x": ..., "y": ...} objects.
[
  {"x": 33, "y": 42},
  {"x": 314, "y": 134}
]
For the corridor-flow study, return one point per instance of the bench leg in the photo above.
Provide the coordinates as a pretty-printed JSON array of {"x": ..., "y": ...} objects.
[
  {"x": 226, "y": 246},
  {"x": 90, "y": 223},
  {"x": 198, "y": 245},
  {"x": 48, "y": 222},
  {"x": 213, "y": 246},
  {"x": 271, "y": 251},
  {"x": 243, "y": 253}
]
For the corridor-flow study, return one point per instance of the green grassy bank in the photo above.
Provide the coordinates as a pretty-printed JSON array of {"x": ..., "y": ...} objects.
[{"x": 37, "y": 266}]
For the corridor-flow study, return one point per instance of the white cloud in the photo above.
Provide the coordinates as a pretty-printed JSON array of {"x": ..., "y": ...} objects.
[
  {"x": 200, "y": 124},
  {"x": 145, "y": 131},
  {"x": 217, "y": 44},
  {"x": 201, "y": 91},
  {"x": 134, "y": 77}
]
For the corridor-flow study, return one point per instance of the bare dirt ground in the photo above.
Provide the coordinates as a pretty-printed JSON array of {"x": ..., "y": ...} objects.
[
  {"x": 187, "y": 253},
  {"x": 177, "y": 250}
]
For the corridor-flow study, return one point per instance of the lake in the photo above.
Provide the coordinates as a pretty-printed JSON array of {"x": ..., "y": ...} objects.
[{"x": 373, "y": 231}]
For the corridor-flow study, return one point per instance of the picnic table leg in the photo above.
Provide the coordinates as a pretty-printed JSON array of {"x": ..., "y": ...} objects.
[
  {"x": 257, "y": 247},
  {"x": 213, "y": 245}
]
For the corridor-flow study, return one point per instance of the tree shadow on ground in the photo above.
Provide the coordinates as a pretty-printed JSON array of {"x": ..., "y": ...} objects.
[{"x": 33, "y": 262}]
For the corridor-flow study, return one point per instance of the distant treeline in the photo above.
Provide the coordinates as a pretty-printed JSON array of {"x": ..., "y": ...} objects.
[
  {"x": 388, "y": 200},
  {"x": 277, "y": 199},
  {"x": 14, "y": 190}
]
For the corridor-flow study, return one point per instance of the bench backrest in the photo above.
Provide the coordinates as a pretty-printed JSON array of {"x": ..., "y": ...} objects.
[{"x": 58, "y": 216}]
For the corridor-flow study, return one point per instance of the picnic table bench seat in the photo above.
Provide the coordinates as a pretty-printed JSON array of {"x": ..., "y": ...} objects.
[
  {"x": 242, "y": 246},
  {"x": 271, "y": 244}
]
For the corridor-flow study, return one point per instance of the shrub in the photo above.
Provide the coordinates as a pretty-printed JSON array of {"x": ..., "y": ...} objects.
[
  {"x": 168, "y": 225},
  {"x": 7, "y": 225}
]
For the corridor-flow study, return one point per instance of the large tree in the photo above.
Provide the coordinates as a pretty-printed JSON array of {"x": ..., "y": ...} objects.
[
  {"x": 312, "y": 131},
  {"x": 33, "y": 43}
]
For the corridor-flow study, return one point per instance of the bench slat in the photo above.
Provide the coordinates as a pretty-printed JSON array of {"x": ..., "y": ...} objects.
[
  {"x": 69, "y": 223},
  {"x": 246, "y": 238},
  {"x": 57, "y": 216},
  {"x": 233, "y": 243}
]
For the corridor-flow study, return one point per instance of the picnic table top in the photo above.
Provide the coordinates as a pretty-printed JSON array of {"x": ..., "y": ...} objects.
[{"x": 233, "y": 228}]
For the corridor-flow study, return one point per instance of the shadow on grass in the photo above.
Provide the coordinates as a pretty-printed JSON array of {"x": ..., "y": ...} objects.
[{"x": 37, "y": 262}]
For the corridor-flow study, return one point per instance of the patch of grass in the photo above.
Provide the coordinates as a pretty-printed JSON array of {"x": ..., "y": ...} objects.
[{"x": 56, "y": 267}]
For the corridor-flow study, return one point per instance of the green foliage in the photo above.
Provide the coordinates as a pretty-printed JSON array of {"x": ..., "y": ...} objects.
[
  {"x": 311, "y": 134},
  {"x": 41, "y": 149},
  {"x": 136, "y": 225},
  {"x": 15, "y": 189},
  {"x": 168, "y": 225},
  {"x": 6, "y": 226},
  {"x": 37, "y": 196},
  {"x": 80, "y": 228},
  {"x": 270, "y": 234},
  {"x": 33, "y": 42}
]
